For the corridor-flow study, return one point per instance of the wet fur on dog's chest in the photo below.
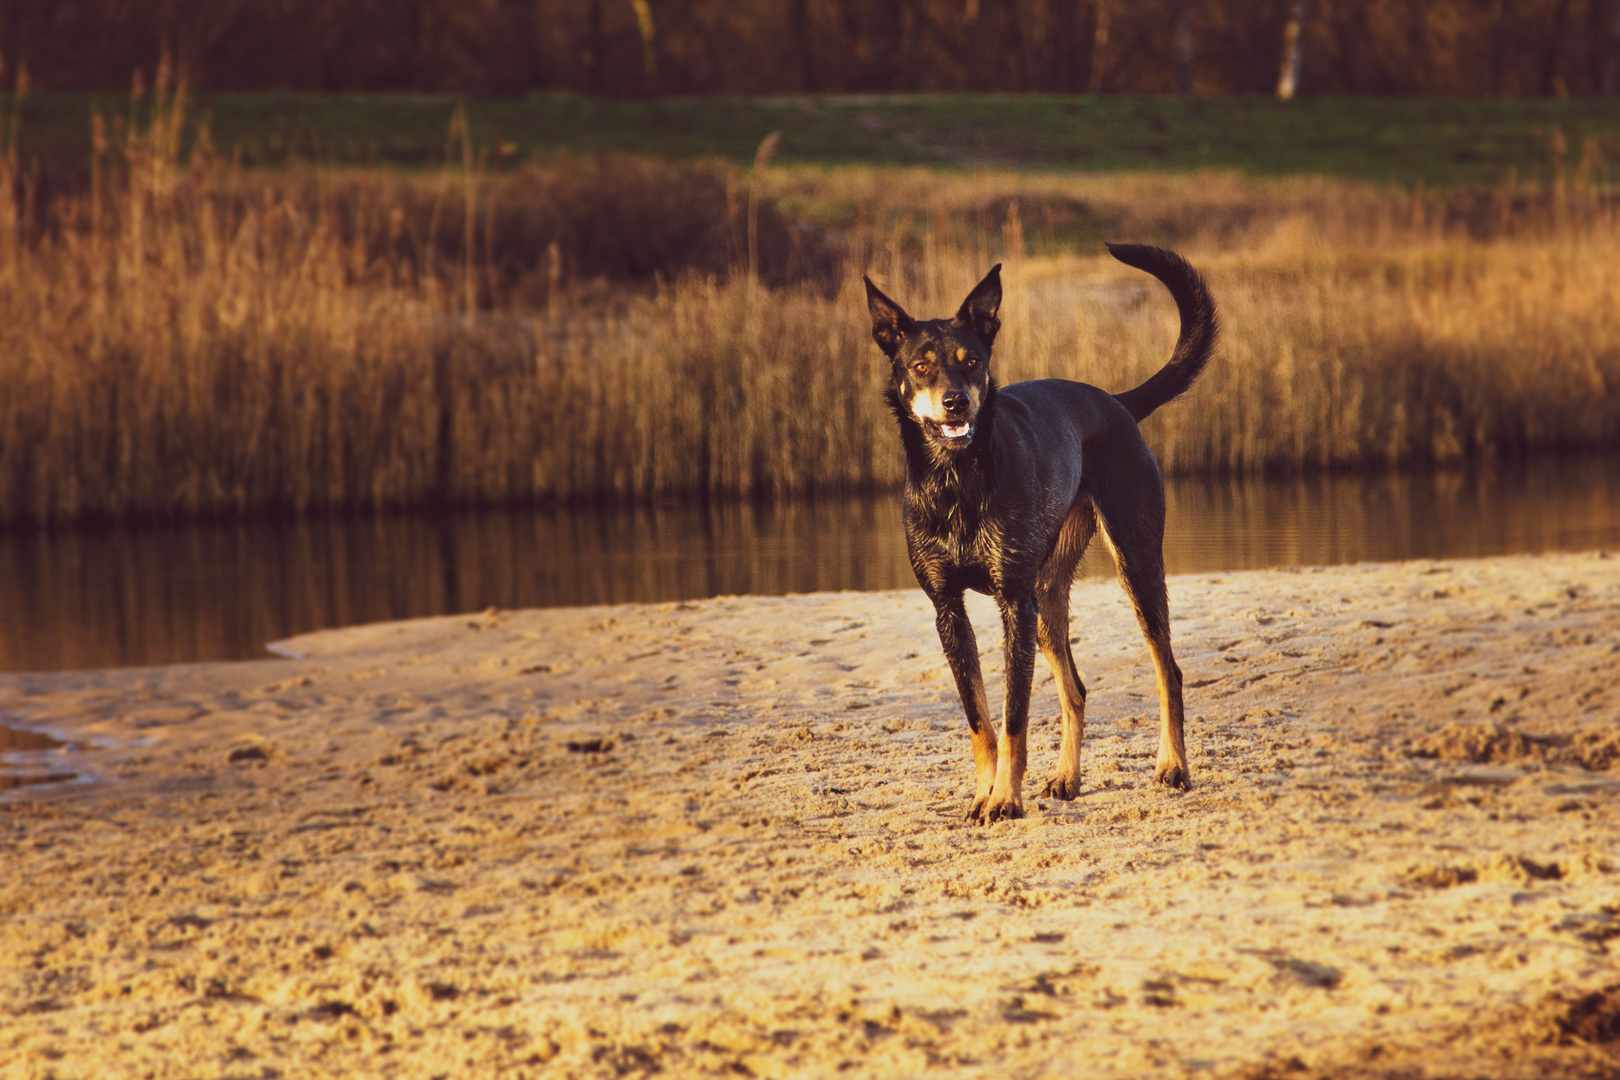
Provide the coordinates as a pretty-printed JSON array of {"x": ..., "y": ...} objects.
[
  {"x": 956, "y": 529},
  {"x": 950, "y": 544}
]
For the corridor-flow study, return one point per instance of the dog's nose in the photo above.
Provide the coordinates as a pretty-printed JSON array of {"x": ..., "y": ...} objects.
[{"x": 955, "y": 402}]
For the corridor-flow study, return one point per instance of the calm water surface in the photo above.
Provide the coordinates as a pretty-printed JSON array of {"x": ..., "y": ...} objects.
[{"x": 101, "y": 598}]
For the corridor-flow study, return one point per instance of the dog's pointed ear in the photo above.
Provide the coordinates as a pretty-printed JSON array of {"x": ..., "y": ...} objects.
[
  {"x": 890, "y": 323},
  {"x": 980, "y": 308}
]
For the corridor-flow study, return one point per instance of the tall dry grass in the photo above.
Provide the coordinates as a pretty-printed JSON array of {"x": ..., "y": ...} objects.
[{"x": 182, "y": 337}]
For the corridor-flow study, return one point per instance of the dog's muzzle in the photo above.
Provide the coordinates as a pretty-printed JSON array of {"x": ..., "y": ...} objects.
[{"x": 956, "y": 424}]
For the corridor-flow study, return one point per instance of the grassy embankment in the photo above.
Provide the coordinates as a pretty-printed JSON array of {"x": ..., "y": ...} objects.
[
  {"x": 1442, "y": 142},
  {"x": 183, "y": 335}
]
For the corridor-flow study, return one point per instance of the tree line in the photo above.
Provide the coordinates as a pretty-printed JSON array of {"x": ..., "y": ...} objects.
[{"x": 1482, "y": 48}]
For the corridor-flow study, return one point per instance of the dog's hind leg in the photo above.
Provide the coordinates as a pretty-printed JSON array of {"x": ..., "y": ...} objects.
[
  {"x": 1133, "y": 526},
  {"x": 962, "y": 653},
  {"x": 1153, "y": 612},
  {"x": 1052, "y": 630}
]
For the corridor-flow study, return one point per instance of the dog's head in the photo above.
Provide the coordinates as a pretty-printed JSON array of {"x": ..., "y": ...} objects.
[{"x": 941, "y": 366}]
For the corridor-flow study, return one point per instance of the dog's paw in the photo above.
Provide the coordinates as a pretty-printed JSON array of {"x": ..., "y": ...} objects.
[
  {"x": 1173, "y": 775},
  {"x": 997, "y": 808},
  {"x": 1062, "y": 787},
  {"x": 1004, "y": 812},
  {"x": 976, "y": 811}
]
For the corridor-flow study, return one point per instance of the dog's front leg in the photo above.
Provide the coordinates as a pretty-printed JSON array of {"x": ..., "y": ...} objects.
[
  {"x": 962, "y": 653},
  {"x": 1018, "y": 623}
]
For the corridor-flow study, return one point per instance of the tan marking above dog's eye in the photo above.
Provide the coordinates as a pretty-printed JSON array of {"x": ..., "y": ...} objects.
[{"x": 961, "y": 354}]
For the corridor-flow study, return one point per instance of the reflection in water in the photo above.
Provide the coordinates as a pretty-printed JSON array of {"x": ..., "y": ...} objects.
[
  {"x": 213, "y": 592},
  {"x": 1570, "y": 505},
  {"x": 21, "y": 760},
  {"x": 23, "y": 739}
]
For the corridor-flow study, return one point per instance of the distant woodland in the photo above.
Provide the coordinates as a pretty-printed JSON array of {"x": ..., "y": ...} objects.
[{"x": 1480, "y": 48}]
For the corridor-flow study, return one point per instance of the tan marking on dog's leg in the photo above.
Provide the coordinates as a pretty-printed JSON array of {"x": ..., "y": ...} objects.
[
  {"x": 1171, "y": 768},
  {"x": 984, "y": 751},
  {"x": 1020, "y": 625},
  {"x": 1007, "y": 797},
  {"x": 1147, "y": 596},
  {"x": 1065, "y": 781},
  {"x": 1052, "y": 632}
]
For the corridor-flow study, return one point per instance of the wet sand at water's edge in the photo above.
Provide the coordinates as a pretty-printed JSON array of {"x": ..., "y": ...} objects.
[{"x": 726, "y": 837}]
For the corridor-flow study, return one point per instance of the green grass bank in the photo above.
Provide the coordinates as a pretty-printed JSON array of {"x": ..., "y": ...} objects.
[{"x": 1432, "y": 141}]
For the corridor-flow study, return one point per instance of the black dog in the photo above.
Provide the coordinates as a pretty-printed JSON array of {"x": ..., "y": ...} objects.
[{"x": 1004, "y": 489}]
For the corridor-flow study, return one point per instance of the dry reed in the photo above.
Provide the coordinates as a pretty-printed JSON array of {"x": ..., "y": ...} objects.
[{"x": 185, "y": 338}]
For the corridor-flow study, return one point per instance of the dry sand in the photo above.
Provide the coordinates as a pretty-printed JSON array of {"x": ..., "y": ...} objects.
[{"x": 727, "y": 837}]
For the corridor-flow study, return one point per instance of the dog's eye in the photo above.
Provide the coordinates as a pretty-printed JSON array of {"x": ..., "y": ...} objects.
[
  {"x": 971, "y": 361},
  {"x": 920, "y": 368}
]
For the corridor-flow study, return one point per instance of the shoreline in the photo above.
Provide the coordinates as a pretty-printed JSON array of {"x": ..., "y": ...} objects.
[{"x": 727, "y": 835}]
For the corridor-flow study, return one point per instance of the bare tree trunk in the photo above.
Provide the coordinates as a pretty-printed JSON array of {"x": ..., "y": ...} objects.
[
  {"x": 1499, "y": 45},
  {"x": 880, "y": 41},
  {"x": 422, "y": 45},
  {"x": 799, "y": 27},
  {"x": 595, "y": 45},
  {"x": 1184, "y": 47},
  {"x": 533, "y": 27},
  {"x": 1293, "y": 53},
  {"x": 1014, "y": 46},
  {"x": 649, "y": 49},
  {"x": 1040, "y": 61},
  {"x": 1550, "y": 79},
  {"x": 1067, "y": 28},
  {"x": 1418, "y": 35},
  {"x": 1099, "y": 45},
  {"x": 1611, "y": 66}
]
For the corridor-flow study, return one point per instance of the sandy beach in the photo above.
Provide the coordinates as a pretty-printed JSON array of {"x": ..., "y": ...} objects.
[{"x": 727, "y": 837}]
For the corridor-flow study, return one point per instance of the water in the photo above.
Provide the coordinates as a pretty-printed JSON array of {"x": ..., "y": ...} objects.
[
  {"x": 31, "y": 757},
  {"x": 101, "y": 598}
]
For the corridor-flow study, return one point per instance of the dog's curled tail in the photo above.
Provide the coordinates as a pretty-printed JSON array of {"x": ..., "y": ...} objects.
[{"x": 1200, "y": 326}]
